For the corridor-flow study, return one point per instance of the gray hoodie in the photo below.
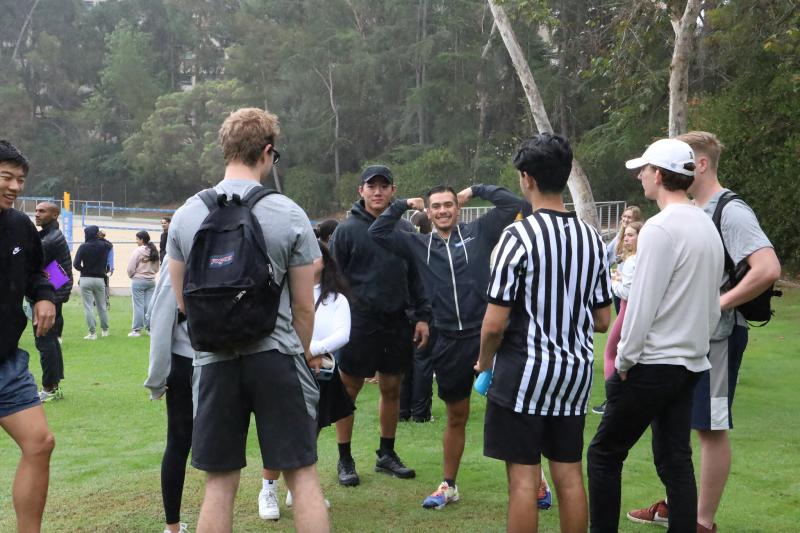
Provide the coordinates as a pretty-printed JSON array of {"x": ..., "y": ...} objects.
[{"x": 167, "y": 336}]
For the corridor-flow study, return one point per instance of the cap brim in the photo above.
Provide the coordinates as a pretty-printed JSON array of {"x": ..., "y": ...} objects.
[
  {"x": 388, "y": 179},
  {"x": 639, "y": 162}
]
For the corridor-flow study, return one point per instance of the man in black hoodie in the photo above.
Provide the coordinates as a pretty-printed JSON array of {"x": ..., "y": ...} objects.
[
  {"x": 388, "y": 298},
  {"x": 21, "y": 413},
  {"x": 91, "y": 261},
  {"x": 454, "y": 263},
  {"x": 55, "y": 249}
]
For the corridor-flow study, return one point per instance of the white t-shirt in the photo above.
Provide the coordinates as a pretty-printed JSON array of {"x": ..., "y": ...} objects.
[{"x": 331, "y": 323}]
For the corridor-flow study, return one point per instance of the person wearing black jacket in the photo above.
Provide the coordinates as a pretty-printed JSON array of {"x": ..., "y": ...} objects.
[
  {"x": 390, "y": 313},
  {"x": 55, "y": 249},
  {"x": 162, "y": 246},
  {"x": 454, "y": 264},
  {"x": 21, "y": 275},
  {"x": 91, "y": 260}
]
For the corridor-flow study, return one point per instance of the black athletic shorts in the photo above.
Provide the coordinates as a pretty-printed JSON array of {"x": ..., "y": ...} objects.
[
  {"x": 384, "y": 346},
  {"x": 278, "y": 389},
  {"x": 522, "y": 438},
  {"x": 454, "y": 356}
]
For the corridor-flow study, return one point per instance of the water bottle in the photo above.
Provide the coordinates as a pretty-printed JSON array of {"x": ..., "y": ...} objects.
[{"x": 482, "y": 383}]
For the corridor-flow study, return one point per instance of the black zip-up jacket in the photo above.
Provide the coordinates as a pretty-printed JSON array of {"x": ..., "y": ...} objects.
[
  {"x": 21, "y": 275},
  {"x": 455, "y": 270},
  {"x": 383, "y": 285},
  {"x": 92, "y": 256},
  {"x": 56, "y": 249}
]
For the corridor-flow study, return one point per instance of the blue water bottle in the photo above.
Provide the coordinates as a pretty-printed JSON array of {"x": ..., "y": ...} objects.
[{"x": 482, "y": 383}]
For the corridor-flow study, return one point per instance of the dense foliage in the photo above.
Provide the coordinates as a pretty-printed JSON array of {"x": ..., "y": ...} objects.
[{"x": 122, "y": 100}]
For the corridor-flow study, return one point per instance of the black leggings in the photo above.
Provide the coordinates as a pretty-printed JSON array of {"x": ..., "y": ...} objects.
[{"x": 179, "y": 436}]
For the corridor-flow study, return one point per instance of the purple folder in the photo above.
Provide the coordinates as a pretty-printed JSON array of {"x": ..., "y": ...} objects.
[{"x": 56, "y": 275}]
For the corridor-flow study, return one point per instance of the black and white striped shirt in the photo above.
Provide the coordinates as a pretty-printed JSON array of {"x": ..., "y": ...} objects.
[{"x": 552, "y": 270}]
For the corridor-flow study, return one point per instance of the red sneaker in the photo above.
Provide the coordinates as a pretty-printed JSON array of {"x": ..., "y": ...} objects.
[{"x": 658, "y": 513}]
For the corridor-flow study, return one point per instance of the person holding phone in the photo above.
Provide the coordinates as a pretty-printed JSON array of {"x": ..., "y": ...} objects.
[{"x": 331, "y": 333}]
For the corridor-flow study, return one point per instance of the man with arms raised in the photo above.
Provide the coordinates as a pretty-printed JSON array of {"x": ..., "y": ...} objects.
[
  {"x": 386, "y": 289},
  {"x": 549, "y": 288},
  {"x": 21, "y": 413},
  {"x": 268, "y": 379},
  {"x": 744, "y": 241},
  {"x": 673, "y": 306},
  {"x": 454, "y": 263}
]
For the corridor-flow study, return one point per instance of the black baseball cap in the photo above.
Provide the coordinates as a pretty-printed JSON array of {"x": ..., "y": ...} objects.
[{"x": 376, "y": 170}]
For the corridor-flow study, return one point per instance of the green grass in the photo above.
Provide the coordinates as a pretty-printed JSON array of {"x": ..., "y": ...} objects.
[{"x": 105, "y": 470}]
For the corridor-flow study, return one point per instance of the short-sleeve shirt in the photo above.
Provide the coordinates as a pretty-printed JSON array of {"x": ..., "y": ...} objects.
[
  {"x": 290, "y": 242},
  {"x": 551, "y": 268},
  {"x": 742, "y": 236}
]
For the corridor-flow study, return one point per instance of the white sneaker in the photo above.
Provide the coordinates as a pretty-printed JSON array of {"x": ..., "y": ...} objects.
[
  {"x": 181, "y": 529},
  {"x": 91, "y": 337},
  {"x": 289, "y": 500},
  {"x": 104, "y": 333},
  {"x": 268, "y": 505},
  {"x": 134, "y": 333}
]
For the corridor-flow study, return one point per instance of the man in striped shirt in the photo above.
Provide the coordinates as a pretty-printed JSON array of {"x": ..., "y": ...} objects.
[{"x": 549, "y": 290}]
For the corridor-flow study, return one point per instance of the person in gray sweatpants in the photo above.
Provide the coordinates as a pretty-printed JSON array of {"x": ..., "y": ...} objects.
[{"x": 90, "y": 260}]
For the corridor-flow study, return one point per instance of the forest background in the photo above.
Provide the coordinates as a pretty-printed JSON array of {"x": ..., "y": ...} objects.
[{"x": 121, "y": 99}]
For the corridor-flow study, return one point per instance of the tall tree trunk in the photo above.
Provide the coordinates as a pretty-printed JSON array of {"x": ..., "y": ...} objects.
[
  {"x": 684, "y": 27},
  {"x": 329, "y": 85},
  {"x": 22, "y": 30},
  {"x": 578, "y": 183},
  {"x": 422, "y": 35},
  {"x": 483, "y": 102}
]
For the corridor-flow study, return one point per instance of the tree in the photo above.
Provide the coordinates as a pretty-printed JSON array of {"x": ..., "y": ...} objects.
[
  {"x": 684, "y": 27},
  {"x": 578, "y": 183}
]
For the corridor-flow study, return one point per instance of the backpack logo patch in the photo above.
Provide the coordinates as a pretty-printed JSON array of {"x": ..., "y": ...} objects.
[{"x": 221, "y": 261}]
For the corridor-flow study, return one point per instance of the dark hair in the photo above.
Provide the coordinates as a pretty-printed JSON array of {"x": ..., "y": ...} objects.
[
  {"x": 10, "y": 154},
  {"x": 325, "y": 229},
  {"x": 675, "y": 181},
  {"x": 547, "y": 158},
  {"x": 153, "y": 256},
  {"x": 332, "y": 280},
  {"x": 437, "y": 190},
  {"x": 168, "y": 219}
]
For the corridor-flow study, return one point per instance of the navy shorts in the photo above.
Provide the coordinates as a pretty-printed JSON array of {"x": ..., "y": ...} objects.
[
  {"x": 17, "y": 387},
  {"x": 522, "y": 439},
  {"x": 454, "y": 358},
  {"x": 713, "y": 395}
]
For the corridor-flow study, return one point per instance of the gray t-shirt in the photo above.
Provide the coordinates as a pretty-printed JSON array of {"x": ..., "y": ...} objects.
[
  {"x": 290, "y": 241},
  {"x": 742, "y": 236}
]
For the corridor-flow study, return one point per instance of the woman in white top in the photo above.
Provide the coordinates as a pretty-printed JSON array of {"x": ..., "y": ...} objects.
[
  {"x": 620, "y": 285},
  {"x": 331, "y": 333}
]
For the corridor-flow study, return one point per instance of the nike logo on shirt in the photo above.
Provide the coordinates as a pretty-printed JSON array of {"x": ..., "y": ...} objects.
[{"x": 16, "y": 250}]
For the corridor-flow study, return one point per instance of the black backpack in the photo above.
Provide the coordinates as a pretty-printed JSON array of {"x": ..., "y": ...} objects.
[
  {"x": 230, "y": 295},
  {"x": 759, "y": 309}
]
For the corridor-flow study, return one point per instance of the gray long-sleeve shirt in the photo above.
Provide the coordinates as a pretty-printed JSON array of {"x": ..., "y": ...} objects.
[{"x": 673, "y": 305}]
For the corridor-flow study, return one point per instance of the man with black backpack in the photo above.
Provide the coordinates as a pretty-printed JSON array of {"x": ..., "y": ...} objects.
[
  {"x": 241, "y": 268},
  {"x": 745, "y": 244}
]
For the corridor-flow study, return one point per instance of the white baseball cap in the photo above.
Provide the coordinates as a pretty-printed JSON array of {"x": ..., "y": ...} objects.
[{"x": 669, "y": 154}]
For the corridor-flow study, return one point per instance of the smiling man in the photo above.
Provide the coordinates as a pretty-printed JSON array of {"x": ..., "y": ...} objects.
[
  {"x": 454, "y": 263},
  {"x": 21, "y": 413},
  {"x": 387, "y": 291}
]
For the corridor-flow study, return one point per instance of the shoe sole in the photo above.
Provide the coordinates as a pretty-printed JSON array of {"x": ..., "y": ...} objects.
[
  {"x": 440, "y": 507},
  {"x": 263, "y": 517},
  {"x": 350, "y": 483},
  {"x": 643, "y": 521},
  {"x": 388, "y": 472}
]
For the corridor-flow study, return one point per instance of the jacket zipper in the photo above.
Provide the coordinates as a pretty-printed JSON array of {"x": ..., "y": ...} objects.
[{"x": 453, "y": 276}]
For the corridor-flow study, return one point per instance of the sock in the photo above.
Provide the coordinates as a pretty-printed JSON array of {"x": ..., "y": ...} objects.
[
  {"x": 269, "y": 484},
  {"x": 387, "y": 445},
  {"x": 450, "y": 482},
  {"x": 344, "y": 451}
]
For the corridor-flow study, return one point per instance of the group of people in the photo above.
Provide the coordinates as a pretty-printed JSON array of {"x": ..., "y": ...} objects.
[{"x": 520, "y": 291}]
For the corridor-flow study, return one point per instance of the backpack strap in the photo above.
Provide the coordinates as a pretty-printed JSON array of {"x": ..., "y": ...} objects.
[
  {"x": 256, "y": 194},
  {"x": 724, "y": 200},
  {"x": 209, "y": 197}
]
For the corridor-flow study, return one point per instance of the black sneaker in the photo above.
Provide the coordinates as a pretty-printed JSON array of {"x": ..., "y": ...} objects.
[
  {"x": 599, "y": 409},
  {"x": 391, "y": 464},
  {"x": 346, "y": 468}
]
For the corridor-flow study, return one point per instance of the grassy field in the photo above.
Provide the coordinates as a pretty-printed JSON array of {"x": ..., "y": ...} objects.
[{"x": 105, "y": 470}]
